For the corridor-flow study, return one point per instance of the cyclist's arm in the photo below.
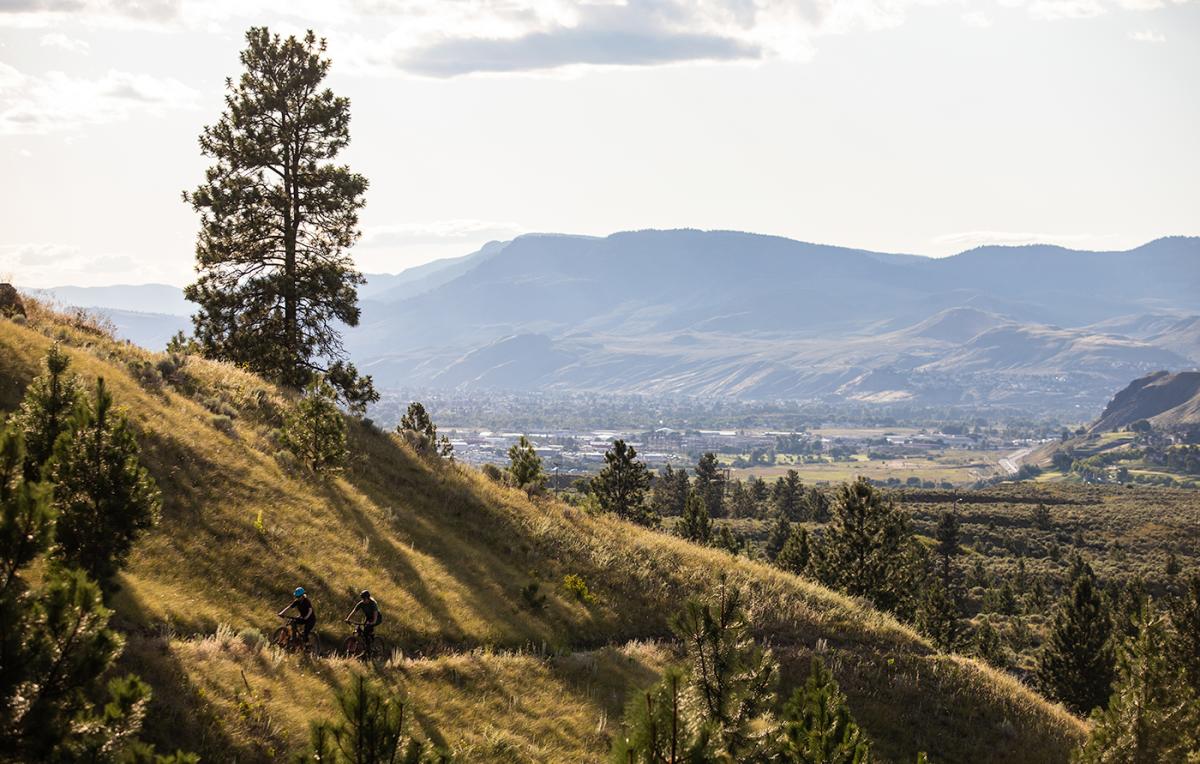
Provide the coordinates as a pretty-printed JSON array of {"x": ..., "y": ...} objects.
[
  {"x": 289, "y": 607},
  {"x": 352, "y": 611}
]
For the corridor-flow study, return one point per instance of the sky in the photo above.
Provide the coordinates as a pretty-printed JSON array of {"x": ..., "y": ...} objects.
[{"x": 916, "y": 126}]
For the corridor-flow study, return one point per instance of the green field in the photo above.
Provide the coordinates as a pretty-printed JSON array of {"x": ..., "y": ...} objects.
[{"x": 955, "y": 466}]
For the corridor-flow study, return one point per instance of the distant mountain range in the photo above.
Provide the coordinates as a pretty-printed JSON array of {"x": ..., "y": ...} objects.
[{"x": 744, "y": 315}]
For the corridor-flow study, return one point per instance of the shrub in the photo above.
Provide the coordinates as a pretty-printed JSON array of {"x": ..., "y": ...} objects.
[
  {"x": 223, "y": 423},
  {"x": 576, "y": 586}
]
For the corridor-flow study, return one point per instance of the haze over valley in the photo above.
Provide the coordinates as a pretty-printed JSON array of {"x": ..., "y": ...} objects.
[{"x": 726, "y": 314}]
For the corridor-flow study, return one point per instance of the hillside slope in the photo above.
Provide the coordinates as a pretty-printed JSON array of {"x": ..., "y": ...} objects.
[
  {"x": 1167, "y": 400},
  {"x": 448, "y": 553}
]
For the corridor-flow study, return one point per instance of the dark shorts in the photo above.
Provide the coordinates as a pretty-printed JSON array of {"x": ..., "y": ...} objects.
[
  {"x": 309, "y": 624},
  {"x": 368, "y": 630}
]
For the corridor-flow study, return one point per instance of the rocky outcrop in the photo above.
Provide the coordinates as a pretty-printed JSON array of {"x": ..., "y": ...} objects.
[{"x": 10, "y": 301}]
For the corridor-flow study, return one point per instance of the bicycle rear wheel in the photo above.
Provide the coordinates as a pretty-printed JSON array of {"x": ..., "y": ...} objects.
[{"x": 314, "y": 645}]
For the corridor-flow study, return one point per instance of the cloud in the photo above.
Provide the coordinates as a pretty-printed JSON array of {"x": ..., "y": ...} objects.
[
  {"x": 41, "y": 264},
  {"x": 1054, "y": 10},
  {"x": 567, "y": 47},
  {"x": 970, "y": 239},
  {"x": 440, "y": 232},
  {"x": 60, "y": 40},
  {"x": 444, "y": 38},
  {"x": 977, "y": 19},
  {"x": 1148, "y": 36},
  {"x": 57, "y": 102}
]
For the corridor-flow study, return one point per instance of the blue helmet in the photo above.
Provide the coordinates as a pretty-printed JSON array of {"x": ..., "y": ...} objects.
[{"x": 299, "y": 591}]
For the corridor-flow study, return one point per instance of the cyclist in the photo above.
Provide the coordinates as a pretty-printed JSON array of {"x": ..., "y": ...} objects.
[
  {"x": 372, "y": 616},
  {"x": 304, "y": 607}
]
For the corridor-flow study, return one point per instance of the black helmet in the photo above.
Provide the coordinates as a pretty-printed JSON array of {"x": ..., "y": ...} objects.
[{"x": 364, "y": 594}]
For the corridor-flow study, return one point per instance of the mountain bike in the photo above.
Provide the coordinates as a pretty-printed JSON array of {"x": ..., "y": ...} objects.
[
  {"x": 291, "y": 637},
  {"x": 357, "y": 645}
]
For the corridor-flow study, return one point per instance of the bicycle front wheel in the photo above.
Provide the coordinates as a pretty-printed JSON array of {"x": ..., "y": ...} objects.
[
  {"x": 282, "y": 637},
  {"x": 351, "y": 648},
  {"x": 380, "y": 649}
]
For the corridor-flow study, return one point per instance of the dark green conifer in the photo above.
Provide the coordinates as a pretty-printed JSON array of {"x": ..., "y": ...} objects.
[
  {"x": 865, "y": 550},
  {"x": 817, "y": 727},
  {"x": 710, "y": 484},
  {"x": 695, "y": 525},
  {"x": 1152, "y": 717},
  {"x": 47, "y": 410},
  {"x": 620, "y": 487},
  {"x": 103, "y": 496},
  {"x": 1076, "y": 664},
  {"x": 796, "y": 553},
  {"x": 277, "y": 218}
]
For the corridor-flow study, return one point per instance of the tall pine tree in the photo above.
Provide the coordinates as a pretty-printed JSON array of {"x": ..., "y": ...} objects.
[
  {"x": 866, "y": 550},
  {"x": 695, "y": 525},
  {"x": 47, "y": 410},
  {"x": 669, "y": 494},
  {"x": 104, "y": 498},
  {"x": 525, "y": 466},
  {"x": 710, "y": 484},
  {"x": 277, "y": 216},
  {"x": 621, "y": 485},
  {"x": 1076, "y": 664},
  {"x": 1152, "y": 716}
]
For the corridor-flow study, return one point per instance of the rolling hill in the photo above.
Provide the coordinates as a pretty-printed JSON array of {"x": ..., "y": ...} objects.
[
  {"x": 448, "y": 553},
  {"x": 1166, "y": 400}
]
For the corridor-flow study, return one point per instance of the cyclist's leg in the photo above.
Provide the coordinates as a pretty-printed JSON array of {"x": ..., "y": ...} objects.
[{"x": 369, "y": 635}]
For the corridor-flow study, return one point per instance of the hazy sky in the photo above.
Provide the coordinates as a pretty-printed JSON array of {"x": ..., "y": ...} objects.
[{"x": 922, "y": 126}]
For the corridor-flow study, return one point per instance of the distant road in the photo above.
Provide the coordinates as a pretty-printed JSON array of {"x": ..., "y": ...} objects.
[{"x": 1012, "y": 463}]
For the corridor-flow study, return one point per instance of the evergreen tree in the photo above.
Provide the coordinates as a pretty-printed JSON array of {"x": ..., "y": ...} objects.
[
  {"x": 1185, "y": 634},
  {"x": 1127, "y": 606},
  {"x": 525, "y": 466},
  {"x": 670, "y": 492},
  {"x": 817, "y": 725},
  {"x": 741, "y": 501},
  {"x": 788, "y": 496},
  {"x": 796, "y": 554},
  {"x": 47, "y": 410},
  {"x": 55, "y": 645},
  {"x": 659, "y": 727},
  {"x": 315, "y": 430},
  {"x": 374, "y": 728},
  {"x": 710, "y": 484},
  {"x": 939, "y": 614},
  {"x": 866, "y": 551},
  {"x": 947, "y": 542},
  {"x": 988, "y": 644},
  {"x": 732, "y": 678},
  {"x": 105, "y": 499},
  {"x": 779, "y": 536},
  {"x": 1151, "y": 717},
  {"x": 417, "y": 420},
  {"x": 695, "y": 525},
  {"x": 1076, "y": 664},
  {"x": 621, "y": 485},
  {"x": 277, "y": 216}
]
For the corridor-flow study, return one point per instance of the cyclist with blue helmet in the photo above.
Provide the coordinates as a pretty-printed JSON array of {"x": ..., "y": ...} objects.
[{"x": 304, "y": 607}]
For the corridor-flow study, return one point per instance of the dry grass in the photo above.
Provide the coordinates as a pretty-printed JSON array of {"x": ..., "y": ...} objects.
[{"x": 447, "y": 553}]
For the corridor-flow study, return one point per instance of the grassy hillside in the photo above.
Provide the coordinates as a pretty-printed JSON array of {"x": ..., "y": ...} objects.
[{"x": 447, "y": 553}]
